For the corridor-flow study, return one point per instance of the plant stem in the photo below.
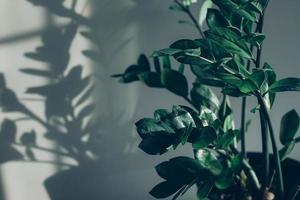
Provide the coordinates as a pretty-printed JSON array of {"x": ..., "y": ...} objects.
[
  {"x": 266, "y": 115},
  {"x": 248, "y": 170},
  {"x": 188, "y": 12},
  {"x": 265, "y": 150}
]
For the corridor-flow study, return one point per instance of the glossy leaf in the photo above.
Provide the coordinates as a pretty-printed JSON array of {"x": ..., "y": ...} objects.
[
  {"x": 229, "y": 40},
  {"x": 204, "y": 137},
  {"x": 214, "y": 18},
  {"x": 203, "y": 96},
  {"x": 208, "y": 159}
]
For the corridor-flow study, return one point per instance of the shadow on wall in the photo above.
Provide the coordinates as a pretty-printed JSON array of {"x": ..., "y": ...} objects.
[{"x": 92, "y": 131}]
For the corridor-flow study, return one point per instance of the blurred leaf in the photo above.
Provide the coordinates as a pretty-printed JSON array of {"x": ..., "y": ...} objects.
[
  {"x": 203, "y": 190},
  {"x": 165, "y": 189},
  {"x": 227, "y": 138},
  {"x": 289, "y": 126},
  {"x": 151, "y": 79}
]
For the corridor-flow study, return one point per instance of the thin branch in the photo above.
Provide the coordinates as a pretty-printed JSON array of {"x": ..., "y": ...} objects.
[{"x": 188, "y": 12}]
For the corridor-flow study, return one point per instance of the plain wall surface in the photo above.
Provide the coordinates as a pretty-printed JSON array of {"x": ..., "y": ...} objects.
[{"x": 127, "y": 28}]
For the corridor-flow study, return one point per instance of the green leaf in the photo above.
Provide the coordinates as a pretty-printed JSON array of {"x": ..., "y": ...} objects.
[
  {"x": 143, "y": 62},
  {"x": 214, "y": 18},
  {"x": 165, "y": 189},
  {"x": 225, "y": 180},
  {"x": 287, "y": 84},
  {"x": 165, "y": 52},
  {"x": 227, "y": 138},
  {"x": 166, "y": 62},
  {"x": 203, "y": 96},
  {"x": 156, "y": 145},
  {"x": 38, "y": 72},
  {"x": 289, "y": 126},
  {"x": 234, "y": 8},
  {"x": 175, "y": 82},
  {"x": 208, "y": 159},
  {"x": 228, "y": 39},
  {"x": 204, "y": 190},
  {"x": 177, "y": 170},
  {"x": 156, "y": 64},
  {"x": 286, "y": 150},
  {"x": 255, "y": 39},
  {"x": 204, "y": 137},
  {"x": 150, "y": 127},
  {"x": 151, "y": 79}
]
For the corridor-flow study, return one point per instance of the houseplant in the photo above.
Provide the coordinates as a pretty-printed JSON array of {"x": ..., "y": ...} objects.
[
  {"x": 69, "y": 121},
  {"x": 227, "y": 56}
]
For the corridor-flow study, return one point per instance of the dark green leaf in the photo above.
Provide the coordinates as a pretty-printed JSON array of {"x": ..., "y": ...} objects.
[
  {"x": 289, "y": 126},
  {"x": 175, "y": 82},
  {"x": 143, "y": 62},
  {"x": 204, "y": 190},
  {"x": 151, "y": 79},
  {"x": 286, "y": 150},
  {"x": 287, "y": 84},
  {"x": 150, "y": 127},
  {"x": 204, "y": 137},
  {"x": 227, "y": 138},
  {"x": 231, "y": 41},
  {"x": 156, "y": 64},
  {"x": 214, "y": 18},
  {"x": 203, "y": 96},
  {"x": 234, "y": 8},
  {"x": 165, "y": 189},
  {"x": 208, "y": 159},
  {"x": 156, "y": 145}
]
